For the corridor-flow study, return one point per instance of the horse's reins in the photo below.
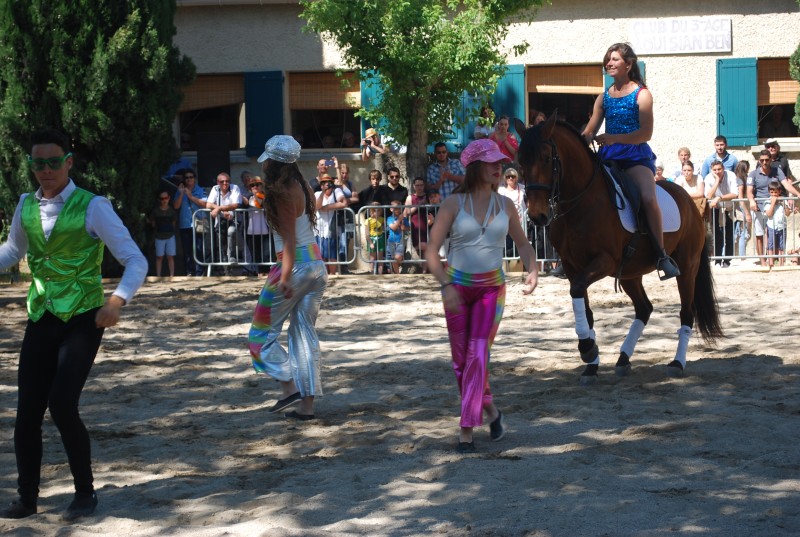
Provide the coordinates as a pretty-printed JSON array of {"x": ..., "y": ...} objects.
[{"x": 554, "y": 188}]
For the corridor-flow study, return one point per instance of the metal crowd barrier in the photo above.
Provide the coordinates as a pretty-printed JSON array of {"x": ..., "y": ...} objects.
[
  {"x": 241, "y": 243},
  {"x": 537, "y": 236},
  {"x": 237, "y": 241},
  {"x": 731, "y": 238}
]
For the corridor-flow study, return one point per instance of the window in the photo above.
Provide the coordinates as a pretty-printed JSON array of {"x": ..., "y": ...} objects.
[
  {"x": 570, "y": 89},
  {"x": 211, "y": 104},
  {"x": 749, "y": 91},
  {"x": 323, "y": 107}
]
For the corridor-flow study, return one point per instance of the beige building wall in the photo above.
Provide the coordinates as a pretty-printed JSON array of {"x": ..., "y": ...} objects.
[
  {"x": 683, "y": 85},
  {"x": 235, "y": 38}
]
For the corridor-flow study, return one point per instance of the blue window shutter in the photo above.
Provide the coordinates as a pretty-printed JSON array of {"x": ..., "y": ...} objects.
[
  {"x": 607, "y": 80},
  {"x": 370, "y": 97},
  {"x": 511, "y": 95},
  {"x": 470, "y": 108},
  {"x": 737, "y": 100},
  {"x": 263, "y": 95}
]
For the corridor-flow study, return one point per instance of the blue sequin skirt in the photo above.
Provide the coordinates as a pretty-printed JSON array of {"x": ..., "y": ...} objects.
[{"x": 629, "y": 155}]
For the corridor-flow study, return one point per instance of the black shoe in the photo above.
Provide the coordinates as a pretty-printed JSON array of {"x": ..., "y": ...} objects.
[
  {"x": 466, "y": 447},
  {"x": 294, "y": 415},
  {"x": 558, "y": 272},
  {"x": 18, "y": 509},
  {"x": 668, "y": 267},
  {"x": 496, "y": 429},
  {"x": 83, "y": 504},
  {"x": 286, "y": 402}
]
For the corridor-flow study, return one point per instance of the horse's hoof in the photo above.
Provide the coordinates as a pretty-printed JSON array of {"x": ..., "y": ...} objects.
[
  {"x": 589, "y": 375},
  {"x": 675, "y": 369},
  {"x": 588, "y": 380},
  {"x": 623, "y": 370},
  {"x": 623, "y": 367}
]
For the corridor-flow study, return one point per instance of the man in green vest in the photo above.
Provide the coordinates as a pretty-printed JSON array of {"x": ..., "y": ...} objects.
[{"x": 62, "y": 229}]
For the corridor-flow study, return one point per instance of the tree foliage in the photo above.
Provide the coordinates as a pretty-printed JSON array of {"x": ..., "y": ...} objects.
[
  {"x": 422, "y": 54},
  {"x": 106, "y": 73}
]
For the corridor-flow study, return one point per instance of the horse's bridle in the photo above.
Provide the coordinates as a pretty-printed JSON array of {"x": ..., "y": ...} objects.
[{"x": 554, "y": 188}]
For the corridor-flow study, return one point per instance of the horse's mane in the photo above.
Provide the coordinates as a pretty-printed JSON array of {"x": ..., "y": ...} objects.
[{"x": 533, "y": 136}]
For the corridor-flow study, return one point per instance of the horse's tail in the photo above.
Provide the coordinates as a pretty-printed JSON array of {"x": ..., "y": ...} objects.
[{"x": 705, "y": 307}]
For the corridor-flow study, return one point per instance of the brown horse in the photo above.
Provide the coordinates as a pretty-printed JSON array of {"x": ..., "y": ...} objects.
[{"x": 566, "y": 188}]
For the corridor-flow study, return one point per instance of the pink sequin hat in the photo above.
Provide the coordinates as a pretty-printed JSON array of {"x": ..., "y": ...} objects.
[{"x": 484, "y": 150}]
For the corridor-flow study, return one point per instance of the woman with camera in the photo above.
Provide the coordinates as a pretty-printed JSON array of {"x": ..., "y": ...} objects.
[{"x": 371, "y": 145}]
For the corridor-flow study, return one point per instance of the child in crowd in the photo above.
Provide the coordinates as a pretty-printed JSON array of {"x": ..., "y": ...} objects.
[
  {"x": 435, "y": 199},
  {"x": 163, "y": 218},
  {"x": 776, "y": 212},
  {"x": 373, "y": 229},
  {"x": 259, "y": 240},
  {"x": 396, "y": 224}
]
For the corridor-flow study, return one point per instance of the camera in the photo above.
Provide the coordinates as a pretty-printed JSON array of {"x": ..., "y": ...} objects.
[
  {"x": 329, "y": 163},
  {"x": 367, "y": 141}
]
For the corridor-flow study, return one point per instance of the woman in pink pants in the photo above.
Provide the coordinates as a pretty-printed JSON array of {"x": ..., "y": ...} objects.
[{"x": 473, "y": 286}]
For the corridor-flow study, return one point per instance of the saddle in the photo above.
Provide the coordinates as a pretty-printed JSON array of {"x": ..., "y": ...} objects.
[{"x": 625, "y": 194}]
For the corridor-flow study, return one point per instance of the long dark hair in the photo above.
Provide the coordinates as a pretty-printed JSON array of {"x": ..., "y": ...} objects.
[
  {"x": 278, "y": 179},
  {"x": 627, "y": 53},
  {"x": 472, "y": 178}
]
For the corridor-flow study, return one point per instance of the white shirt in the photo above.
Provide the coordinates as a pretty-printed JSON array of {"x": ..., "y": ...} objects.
[
  {"x": 518, "y": 198},
  {"x": 726, "y": 186},
  {"x": 101, "y": 223},
  {"x": 234, "y": 195}
]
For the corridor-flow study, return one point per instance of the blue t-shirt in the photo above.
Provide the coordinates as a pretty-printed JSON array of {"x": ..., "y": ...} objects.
[
  {"x": 187, "y": 208},
  {"x": 391, "y": 235}
]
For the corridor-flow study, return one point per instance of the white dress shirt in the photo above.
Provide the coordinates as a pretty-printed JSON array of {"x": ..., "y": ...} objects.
[{"x": 101, "y": 223}]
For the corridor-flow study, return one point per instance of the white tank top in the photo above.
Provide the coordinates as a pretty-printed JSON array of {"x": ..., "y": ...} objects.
[
  {"x": 474, "y": 247},
  {"x": 303, "y": 232}
]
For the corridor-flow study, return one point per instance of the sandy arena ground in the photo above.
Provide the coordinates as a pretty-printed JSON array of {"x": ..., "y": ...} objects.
[{"x": 183, "y": 444}]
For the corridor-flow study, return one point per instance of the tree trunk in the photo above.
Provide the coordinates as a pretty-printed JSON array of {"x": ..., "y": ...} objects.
[{"x": 417, "y": 155}]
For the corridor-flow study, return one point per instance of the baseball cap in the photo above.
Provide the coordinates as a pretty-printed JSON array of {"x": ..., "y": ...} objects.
[{"x": 282, "y": 148}]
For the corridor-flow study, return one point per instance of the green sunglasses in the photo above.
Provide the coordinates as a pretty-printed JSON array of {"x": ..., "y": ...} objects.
[{"x": 55, "y": 163}]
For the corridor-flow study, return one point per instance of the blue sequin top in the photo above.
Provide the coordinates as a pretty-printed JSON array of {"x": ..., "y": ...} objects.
[
  {"x": 622, "y": 117},
  {"x": 622, "y": 113}
]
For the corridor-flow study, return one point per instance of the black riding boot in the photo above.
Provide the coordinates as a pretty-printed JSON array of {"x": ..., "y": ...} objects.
[{"x": 667, "y": 266}]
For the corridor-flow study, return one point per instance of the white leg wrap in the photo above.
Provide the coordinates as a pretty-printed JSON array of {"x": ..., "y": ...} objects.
[
  {"x": 684, "y": 333},
  {"x": 581, "y": 322},
  {"x": 634, "y": 333}
]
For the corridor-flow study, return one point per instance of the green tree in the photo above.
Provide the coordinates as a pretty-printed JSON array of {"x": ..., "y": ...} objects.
[
  {"x": 106, "y": 73},
  {"x": 422, "y": 55}
]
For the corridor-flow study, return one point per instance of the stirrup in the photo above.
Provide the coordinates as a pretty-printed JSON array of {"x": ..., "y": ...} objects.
[{"x": 668, "y": 267}]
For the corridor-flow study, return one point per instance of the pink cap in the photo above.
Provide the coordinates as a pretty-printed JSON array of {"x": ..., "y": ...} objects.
[{"x": 484, "y": 150}]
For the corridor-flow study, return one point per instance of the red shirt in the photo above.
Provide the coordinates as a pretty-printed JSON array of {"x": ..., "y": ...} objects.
[{"x": 502, "y": 146}]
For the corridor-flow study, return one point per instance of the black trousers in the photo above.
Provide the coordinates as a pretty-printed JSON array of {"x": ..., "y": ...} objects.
[
  {"x": 723, "y": 236},
  {"x": 54, "y": 364}
]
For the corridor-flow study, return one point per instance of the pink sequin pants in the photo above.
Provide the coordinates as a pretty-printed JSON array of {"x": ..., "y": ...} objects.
[{"x": 472, "y": 332}]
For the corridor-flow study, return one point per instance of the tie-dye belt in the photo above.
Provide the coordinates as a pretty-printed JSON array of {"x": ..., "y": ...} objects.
[
  {"x": 493, "y": 278},
  {"x": 305, "y": 254}
]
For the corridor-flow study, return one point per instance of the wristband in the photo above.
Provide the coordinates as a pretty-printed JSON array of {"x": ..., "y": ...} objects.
[{"x": 445, "y": 285}]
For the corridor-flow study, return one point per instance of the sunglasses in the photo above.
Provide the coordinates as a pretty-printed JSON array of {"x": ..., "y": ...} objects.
[
  {"x": 223, "y": 182},
  {"x": 764, "y": 159},
  {"x": 54, "y": 163}
]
